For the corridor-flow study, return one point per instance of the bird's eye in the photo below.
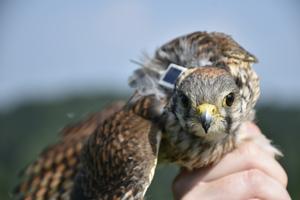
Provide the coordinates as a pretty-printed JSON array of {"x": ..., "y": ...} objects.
[
  {"x": 184, "y": 100},
  {"x": 228, "y": 100}
]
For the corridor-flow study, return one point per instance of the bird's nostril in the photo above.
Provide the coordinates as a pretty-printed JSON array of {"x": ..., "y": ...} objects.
[{"x": 214, "y": 110}]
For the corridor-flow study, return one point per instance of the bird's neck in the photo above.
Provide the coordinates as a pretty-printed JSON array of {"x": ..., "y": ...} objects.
[{"x": 189, "y": 150}]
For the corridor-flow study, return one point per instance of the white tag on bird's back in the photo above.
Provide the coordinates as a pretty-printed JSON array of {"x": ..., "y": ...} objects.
[{"x": 169, "y": 77}]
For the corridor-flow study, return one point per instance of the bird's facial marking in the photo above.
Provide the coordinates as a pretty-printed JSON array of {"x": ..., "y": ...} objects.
[
  {"x": 185, "y": 101},
  {"x": 207, "y": 102}
]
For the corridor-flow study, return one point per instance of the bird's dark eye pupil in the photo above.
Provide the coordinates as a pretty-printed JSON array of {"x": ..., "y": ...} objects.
[
  {"x": 229, "y": 99},
  {"x": 184, "y": 100}
]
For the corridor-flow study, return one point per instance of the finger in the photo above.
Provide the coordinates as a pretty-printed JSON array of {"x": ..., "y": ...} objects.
[
  {"x": 250, "y": 132},
  {"x": 251, "y": 128},
  {"x": 250, "y": 184},
  {"x": 248, "y": 156}
]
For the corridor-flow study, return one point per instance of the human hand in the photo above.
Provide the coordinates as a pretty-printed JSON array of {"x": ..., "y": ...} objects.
[{"x": 248, "y": 172}]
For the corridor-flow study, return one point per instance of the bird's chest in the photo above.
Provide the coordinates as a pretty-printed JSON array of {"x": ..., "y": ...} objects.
[{"x": 191, "y": 151}]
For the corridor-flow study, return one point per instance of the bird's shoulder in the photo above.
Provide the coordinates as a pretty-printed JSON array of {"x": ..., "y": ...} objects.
[{"x": 121, "y": 155}]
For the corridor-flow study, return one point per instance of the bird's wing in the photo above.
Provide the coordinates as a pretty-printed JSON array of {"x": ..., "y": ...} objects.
[
  {"x": 119, "y": 159},
  {"x": 56, "y": 166}
]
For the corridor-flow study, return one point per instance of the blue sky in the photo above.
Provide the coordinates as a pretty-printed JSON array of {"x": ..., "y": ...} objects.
[{"x": 52, "y": 49}]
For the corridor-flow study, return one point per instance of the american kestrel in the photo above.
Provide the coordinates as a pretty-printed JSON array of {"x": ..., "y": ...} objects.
[{"x": 189, "y": 115}]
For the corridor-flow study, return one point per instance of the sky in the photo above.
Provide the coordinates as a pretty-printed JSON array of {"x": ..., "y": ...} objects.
[{"x": 53, "y": 49}]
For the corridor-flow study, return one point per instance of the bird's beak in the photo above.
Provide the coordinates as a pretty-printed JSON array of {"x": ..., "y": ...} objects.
[{"x": 206, "y": 112}]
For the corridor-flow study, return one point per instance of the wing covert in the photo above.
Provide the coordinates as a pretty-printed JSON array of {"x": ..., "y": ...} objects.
[{"x": 52, "y": 174}]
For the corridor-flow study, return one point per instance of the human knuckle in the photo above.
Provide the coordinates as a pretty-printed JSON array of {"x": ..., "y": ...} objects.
[
  {"x": 253, "y": 177},
  {"x": 252, "y": 162},
  {"x": 249, "y": 149}
]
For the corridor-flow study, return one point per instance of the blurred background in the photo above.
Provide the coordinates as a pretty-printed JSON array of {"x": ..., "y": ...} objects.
[{"x": 60, "y": 60}]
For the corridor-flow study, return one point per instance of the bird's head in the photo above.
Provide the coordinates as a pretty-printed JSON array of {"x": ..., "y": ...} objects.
[{"x": 206, "y": 102}]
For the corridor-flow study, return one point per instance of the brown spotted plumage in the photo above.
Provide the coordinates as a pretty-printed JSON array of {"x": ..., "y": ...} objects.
[
  {"x": 52, "y": 174},
  {"x": 119, "y": 158},
  {"x": 113, "y": 155}
]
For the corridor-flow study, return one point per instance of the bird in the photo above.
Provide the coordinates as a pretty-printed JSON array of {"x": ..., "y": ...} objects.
[{"x": 193, "y": 123}]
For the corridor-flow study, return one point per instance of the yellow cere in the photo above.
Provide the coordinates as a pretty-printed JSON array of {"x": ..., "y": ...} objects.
[{"x": 209, "y": 108}]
